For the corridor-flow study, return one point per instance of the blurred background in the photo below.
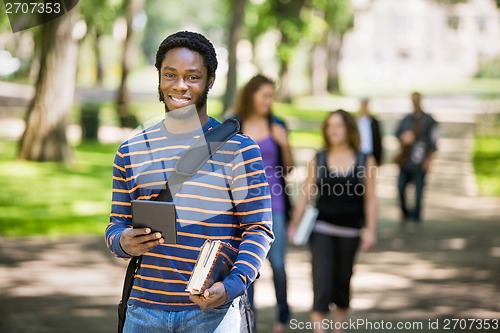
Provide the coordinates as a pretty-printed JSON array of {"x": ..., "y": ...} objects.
[{"x": 72, "y": 89}]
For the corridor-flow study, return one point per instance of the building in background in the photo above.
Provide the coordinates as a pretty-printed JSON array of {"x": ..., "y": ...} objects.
[{"x": 403, "y": 42}]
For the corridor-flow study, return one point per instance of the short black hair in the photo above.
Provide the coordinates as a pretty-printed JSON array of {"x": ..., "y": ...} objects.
[{"x": 191, "y": 40}]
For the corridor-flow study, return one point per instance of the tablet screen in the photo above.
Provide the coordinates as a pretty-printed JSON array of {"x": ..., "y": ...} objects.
[{"x": 160, "y": 216}]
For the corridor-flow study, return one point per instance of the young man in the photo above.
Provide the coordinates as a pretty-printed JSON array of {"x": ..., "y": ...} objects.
[
  {"x": 227, "y": 199},
  {"x": 417, "y": 134}
]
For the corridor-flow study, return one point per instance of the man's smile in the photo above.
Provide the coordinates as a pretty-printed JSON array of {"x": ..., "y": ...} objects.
[{"x": 180, "y": 101}]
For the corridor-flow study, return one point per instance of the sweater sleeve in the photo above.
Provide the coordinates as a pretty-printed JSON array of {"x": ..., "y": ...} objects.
[
  {"x": 250, "y": 191},
  {"x": 120, "y": 217}
]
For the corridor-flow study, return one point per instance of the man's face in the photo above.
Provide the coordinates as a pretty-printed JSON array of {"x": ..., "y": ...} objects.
[{"x": 184, "y": 80}]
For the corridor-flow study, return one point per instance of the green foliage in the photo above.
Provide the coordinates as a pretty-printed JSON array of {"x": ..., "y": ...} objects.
[
  {"x": 101, "y": 14},
  {"x": 338, "y": 15},
  {"x": 489, "y": 69},
  {"x": 486, "y": 159},
  {"x": 209, "y": 17}
]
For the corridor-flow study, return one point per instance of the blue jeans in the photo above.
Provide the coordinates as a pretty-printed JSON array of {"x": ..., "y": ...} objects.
[
  {"x": 417, "y": 176},
  {"x": 276, "y": 256},
  {"x": 224, "y": 319}
]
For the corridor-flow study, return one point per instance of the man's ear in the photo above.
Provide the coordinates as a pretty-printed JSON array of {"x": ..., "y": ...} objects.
[{"x": 211, "y": 81}]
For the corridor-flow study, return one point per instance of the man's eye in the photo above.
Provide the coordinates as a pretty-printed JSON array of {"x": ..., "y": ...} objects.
[
  {"x": 169, "y": 75},
  {"x": 193, "y": 78}
]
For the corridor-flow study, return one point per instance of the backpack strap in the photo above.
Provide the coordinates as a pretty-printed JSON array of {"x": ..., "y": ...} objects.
[
  {"x": 359, "y": 173},
  {"x": 321, "y": 164},
  {"x": 196, "y": 156}
]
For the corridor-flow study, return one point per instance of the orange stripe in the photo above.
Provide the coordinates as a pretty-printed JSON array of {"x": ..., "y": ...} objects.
[
  {"x": 248, "y": 148},
  {"x": 118, "y": 167},
  {"x": 207, "y": 186},
  {"x": 161, "y": 268},
  {"x": 139, "y": 186},
  {"x": 121, "y": 215},
  {"x": 247, "y": 162},
  {"x": 252, "y": 254},
  {"x": 121, "y": 179},
  {"x": 145, "y": 133},
  {"x": 148, "y": 278},
  {"x": 208, "y": 224},
  {"x": 186, "y": 234},
  {"x": 249, "y": 187},
  {"x": 215, "y": 174},
  {"x": 263, "y": 210},
  {"x": 248, "y": 174},
  {"x": 150, "y": 151},
  {"x": 146, "y": 197},
  {"x": 119, "y": 154},
  {"x": 152, "y": 161},
  {"x": 150, "y": 254},
  {"x": 144, "y": 141},
  {"x": 119, "y": 203},
  {"x": 161, "y": 292},
  {"x": 206, "y": 211},
  {"x": 254, "y": 243},
  {"x": 230, "y": 165},
  {"x": 194, "y": 196},
  {"x": 247, "y": 264},
  {"x": 201, "y": 197}
]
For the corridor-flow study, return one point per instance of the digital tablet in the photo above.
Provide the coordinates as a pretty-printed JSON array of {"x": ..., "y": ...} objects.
[{"x": 160, "y": 216}]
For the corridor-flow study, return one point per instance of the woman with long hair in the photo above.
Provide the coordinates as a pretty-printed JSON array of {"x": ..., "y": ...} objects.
[
  {"x": 343, "y": 181},
  {"x": 253, "y": 110}
]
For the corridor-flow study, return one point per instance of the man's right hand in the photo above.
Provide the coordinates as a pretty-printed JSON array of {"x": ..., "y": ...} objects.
[{"x": 138, "y": 241}]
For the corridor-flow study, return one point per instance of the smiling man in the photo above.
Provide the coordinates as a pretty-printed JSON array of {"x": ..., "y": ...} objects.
[{"x": 227, "y": 199}]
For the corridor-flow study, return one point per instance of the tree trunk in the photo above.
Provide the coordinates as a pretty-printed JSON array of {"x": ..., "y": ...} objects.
[
  {"x": 44, "y": 138},
  {"x": 98, "y": 58},
  {"x": 319, "y": 71},
  {"x": 334, "y": 51},
  {"x": 284, "y": 93},
  {"x": 235, "y": 29},
  {"x": 127, "y": 119}
]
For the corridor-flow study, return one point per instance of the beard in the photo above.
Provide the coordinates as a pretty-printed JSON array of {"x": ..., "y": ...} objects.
[
  {"x": 200, "y": 103},
  {"x": 183, "y": 113}
]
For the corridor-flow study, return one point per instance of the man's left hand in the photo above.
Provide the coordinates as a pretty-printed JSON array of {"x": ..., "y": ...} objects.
[{"x": 213, "y": 297}]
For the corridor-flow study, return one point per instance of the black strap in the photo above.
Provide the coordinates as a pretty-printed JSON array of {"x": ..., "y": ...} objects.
[
  {"x": 199, "y": 153},
  {"x": 133, "y": 265},
  {"x": 188, "y": 165},
  {"x": 359, "y": 173}
]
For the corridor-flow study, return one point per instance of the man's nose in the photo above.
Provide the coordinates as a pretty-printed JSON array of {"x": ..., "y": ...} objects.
[{"x": 180, "y": 84}]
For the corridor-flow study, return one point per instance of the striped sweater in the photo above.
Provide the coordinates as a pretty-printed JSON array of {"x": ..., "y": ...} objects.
[{"x": 228, "y": 199}]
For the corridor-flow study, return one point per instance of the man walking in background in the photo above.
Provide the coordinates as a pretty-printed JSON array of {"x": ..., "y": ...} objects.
[{"x": 417, "y": 133}]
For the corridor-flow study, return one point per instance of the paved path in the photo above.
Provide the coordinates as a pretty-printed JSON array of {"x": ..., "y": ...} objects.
[{"x": 448, "y": 269}]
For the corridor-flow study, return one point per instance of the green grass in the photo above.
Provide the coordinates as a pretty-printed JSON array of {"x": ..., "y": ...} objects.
[
  {"x": 53, "y": 199},
  {"x": 486, "y": 160}
]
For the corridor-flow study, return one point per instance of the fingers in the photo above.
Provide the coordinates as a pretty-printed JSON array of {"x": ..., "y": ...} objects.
[
  {"x": 139, "y": 241},
  {"x": 211, "y": 298}
]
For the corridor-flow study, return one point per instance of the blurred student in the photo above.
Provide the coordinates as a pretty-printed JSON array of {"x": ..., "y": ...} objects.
[
  {"x": 343, "y": 179},
  {"x": 253, "y": 111},
  {"x": 369, "y": 131},
  {"x": 417, "y": 133}
]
